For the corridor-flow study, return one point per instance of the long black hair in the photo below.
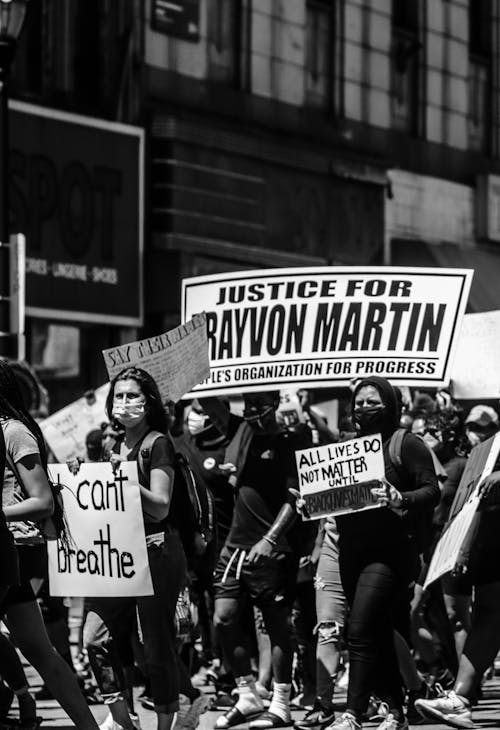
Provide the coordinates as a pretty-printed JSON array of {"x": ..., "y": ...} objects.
[
  {"x": 155, "y": 412},
  {"x": 12, "y": 406}
]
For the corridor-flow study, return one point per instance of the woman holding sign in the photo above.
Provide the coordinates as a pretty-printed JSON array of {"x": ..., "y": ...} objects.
[
  {"x": 379, "y": 556},
  {"x": 134, "y": 401}
]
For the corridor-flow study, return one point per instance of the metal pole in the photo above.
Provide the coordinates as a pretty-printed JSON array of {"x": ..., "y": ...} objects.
[{"x": 6, "y": 339}]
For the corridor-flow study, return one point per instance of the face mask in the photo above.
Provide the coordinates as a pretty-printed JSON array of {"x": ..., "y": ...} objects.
[
  {"x": 368, "y": 418},
  {"x": 129, "y": 414},
  {"x": 197, "y": 423},
  {"x": 258, "y": 420}
]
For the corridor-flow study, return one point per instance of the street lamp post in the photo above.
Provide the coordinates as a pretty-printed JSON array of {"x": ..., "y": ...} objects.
[{"x": 12, "y": 14}]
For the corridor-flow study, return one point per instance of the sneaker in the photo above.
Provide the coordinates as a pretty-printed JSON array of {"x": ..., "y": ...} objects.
[
  {"x": 391, "y": 722},
  {"x": 188, "y": 715},
  {"x": 318, "y": 717},
  {"x": 346, "y": 722},
  {"x": 450, "y": 708}
]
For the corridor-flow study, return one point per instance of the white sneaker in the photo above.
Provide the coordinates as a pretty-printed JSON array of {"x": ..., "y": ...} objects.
[
  {"x": 390, "y": 722},
  {"x": 346, "y": 722},
  {"x": 188, "y": 714},
  {"x": 450, "y": 708}
]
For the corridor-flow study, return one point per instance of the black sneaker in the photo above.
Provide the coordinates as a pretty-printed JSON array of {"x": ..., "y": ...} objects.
[{"x": 318, "y": 717}]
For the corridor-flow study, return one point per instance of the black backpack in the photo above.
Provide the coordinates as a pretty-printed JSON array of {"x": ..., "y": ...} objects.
[{"x": 191, "y": 507}]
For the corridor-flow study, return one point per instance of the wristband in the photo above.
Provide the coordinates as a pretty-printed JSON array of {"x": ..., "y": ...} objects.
[{"x": 269, "y": 540}]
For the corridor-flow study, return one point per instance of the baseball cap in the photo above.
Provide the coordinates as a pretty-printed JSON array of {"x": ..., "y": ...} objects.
[{"x": 483, "y": 416}]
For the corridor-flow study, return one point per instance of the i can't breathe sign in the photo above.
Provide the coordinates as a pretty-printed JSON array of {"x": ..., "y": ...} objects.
[{"x": 106, "y": 554}]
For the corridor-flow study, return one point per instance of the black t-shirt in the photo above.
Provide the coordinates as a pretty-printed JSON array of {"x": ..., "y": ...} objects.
[
  {"x": 269, "y": 470},
  {"x": 417, "y": 482}
]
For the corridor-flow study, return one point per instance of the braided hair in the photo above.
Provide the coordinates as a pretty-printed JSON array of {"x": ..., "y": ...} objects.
[{"x": 12, "y": 406}]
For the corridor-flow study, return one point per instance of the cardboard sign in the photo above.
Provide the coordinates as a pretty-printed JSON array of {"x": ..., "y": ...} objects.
[
  {"x": 177, "y": 360},
  {"x": 337, "y": 478},
  {"x": 475, "y": 369},
  {"x": 108, "y": 555},
  {"x": 65, "y": 430},
  {"x": 324, "y": 326},
  {"x": 480, "y": 464}
]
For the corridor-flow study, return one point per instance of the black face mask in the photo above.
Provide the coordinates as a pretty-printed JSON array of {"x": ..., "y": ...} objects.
[{"x": 369, "y": 418}]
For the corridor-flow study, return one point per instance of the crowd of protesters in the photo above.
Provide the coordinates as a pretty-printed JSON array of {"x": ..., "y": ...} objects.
[{"x": 276, "y": 612}]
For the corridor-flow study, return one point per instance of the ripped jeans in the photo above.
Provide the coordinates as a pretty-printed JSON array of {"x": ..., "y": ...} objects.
[{"x": 330, "y": 599}]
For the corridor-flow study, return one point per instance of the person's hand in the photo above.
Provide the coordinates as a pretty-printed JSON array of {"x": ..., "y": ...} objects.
[
  {"x": 489, "y": 483},
  {"x": 387, "y": 495},
  {"x": 260, "y": 551},
  {"x": 115, "y": 461},
  {"x": 300, "y": 503},
  {"x": 74, "y": 465}
]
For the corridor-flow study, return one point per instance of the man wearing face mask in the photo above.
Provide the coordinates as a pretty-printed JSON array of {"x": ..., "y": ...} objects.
[{"x": 258, "y": 563}]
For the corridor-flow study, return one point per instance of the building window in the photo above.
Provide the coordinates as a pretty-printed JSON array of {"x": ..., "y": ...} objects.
[
  {"x": 406, "y": 48},
  {"x": 224, "y": 41},
  {"x": 319, "y": 55},
  {"x": 480, "y": 63}
]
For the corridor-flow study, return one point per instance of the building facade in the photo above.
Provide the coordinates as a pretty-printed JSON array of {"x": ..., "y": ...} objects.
[{"x": 276, "y": 133}]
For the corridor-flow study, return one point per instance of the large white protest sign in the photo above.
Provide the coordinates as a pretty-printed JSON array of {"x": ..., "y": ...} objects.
[
  {"x": 65, "y": 430},
  {"x": 337, "y": 478},
  {"x": 324, "y": 326},
  {"x": 107, "y": 555},
  {"x": 177, "y": 360},
  {"x": 475, "y": 373},
  {"x": 480, "y": 464}
]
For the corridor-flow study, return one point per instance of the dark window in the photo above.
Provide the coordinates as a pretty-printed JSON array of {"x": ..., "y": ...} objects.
[
  {"x": 28, "y": 66},
  {"x": 224, "y": 41},
  {"x": 406, "y": 48},
  {"x": 319, "y": 53},
  {"x": 480, "y": 62}
]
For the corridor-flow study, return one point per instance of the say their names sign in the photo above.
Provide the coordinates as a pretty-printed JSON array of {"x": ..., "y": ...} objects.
[
  {"x": 337, "y": 478},
  {"x": 324, "y": 326},
  {"x": 107, "y": 553},
  {"x": 177, "y": 360}
]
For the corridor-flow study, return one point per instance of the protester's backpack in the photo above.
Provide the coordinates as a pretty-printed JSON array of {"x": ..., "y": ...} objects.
[
  {"x": 190, "y": 500},
  {"x": 420, "y": 521}
]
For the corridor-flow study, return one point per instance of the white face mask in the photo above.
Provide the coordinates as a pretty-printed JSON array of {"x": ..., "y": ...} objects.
[
  {"x": 129, "y": 414},
  {"x": 197, "y": 423},
  {"x": 474, "y": 438}
]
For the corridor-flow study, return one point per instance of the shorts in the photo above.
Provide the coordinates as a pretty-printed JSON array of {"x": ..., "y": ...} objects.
[
  {"x": 270, "y": 581},
  {"x": 330, "y": 598}
]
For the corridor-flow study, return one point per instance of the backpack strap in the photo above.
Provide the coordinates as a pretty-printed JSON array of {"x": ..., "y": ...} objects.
[
  {"x": 144, "y": 453},
  {"x": 237, "y": 450},
  {"x": 395, "y": 448}
]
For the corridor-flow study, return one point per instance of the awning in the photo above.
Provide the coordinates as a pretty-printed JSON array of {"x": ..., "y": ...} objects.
[{"x": 485, "y": 291}]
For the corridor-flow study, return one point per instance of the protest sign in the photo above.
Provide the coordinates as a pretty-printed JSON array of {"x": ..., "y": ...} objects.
[
  {"x": 480, "y": 464},
  {"x": 475, "y": 371},
  {"x": 177, "y": 360},
  {"x": 324, "y": 326},
  {"x": 65, "y": 430},
  {"x": 107, "y": 555},
  {"x": 337, "y": 478}
]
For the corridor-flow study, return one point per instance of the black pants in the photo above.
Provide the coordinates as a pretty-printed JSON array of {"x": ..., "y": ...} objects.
[{"x": 375, "y": 578}]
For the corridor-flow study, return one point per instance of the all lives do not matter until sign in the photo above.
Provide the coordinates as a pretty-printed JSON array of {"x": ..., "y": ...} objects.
[{"x": 328, "y": 325}]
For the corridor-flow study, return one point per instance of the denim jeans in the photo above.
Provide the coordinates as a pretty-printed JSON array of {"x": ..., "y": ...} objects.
[{"x": 110, "y": 621}]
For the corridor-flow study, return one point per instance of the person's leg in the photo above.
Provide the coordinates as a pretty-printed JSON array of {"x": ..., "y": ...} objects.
[
  {"x": 167, "y": 564},
  {"x": 372, "y": 654},
  {"x": 28, "y": 632},
  {"x": 14, "y": 676},
  {"x": 457, "y": 593}
]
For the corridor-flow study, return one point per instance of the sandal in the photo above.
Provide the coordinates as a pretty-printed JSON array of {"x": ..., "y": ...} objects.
[
  {"x": 269, "y": 720},
  {"x": 235, "y": 717}
]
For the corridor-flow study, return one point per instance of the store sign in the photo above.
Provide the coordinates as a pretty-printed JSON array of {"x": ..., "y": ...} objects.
[
  {"x": 325, "y": 326},
  {"x": 77, "y": 194},
  {"x": 180, "y": 18}
]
